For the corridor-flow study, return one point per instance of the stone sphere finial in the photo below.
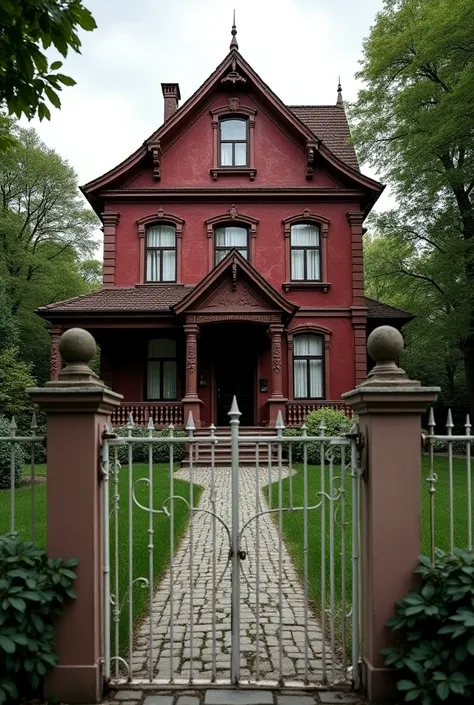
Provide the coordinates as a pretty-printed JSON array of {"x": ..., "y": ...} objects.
[
  {"x": 385, "y": 344},
  {"x": 77, "y": 345}
]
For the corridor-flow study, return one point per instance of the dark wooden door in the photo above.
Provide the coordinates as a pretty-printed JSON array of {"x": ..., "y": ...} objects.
[{"x": 235, "y": 375}]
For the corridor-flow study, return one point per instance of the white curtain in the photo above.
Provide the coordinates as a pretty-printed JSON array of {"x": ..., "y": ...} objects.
[
  {"x": 229, "y": 237},
  {"x": 162, "y": 236},
  {"x": 304, "y": 347},
  {"x": 162, "y": 348},
  {"x": 305, "y": 236}
]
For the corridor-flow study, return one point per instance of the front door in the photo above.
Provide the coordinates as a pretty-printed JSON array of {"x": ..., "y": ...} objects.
[{"x": 235, "y": 375}]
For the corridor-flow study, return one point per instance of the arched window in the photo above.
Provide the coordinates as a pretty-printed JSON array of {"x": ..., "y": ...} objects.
[
  {"x": 305, "y": 247},
  {"x": 161, "y": 370},
  {"x": 160, "y": 253},
  {"x": 233, "y": 139},
  {"x": 228, "y": 237},
  {"x": 308, "y": 367}
]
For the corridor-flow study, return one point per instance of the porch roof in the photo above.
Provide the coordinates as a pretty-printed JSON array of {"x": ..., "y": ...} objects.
[{"x": 160, "y": 299}]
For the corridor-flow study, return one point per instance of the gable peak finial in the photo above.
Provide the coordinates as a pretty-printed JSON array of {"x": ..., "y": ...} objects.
[
  {"x": 233, "y": 43},
  {"x": 339, "y": 100}
]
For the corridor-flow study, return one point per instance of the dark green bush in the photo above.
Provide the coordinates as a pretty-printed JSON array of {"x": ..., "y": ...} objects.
[
  {"x": 337, "y": 424},
  {"x": 33, "y": 590},
  {"x": 140, "y": 450},
  {"x": 435, "y": 655},
  {"x": 5, "y": 457}
]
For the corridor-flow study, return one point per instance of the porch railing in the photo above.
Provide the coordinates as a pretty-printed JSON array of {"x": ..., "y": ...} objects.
[
  {"x": 296, "y": 412},
  {"x": 163, "y": 414}
]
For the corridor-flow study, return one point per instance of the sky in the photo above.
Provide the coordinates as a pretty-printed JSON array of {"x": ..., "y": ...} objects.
[{"x": 298, "y": 47}]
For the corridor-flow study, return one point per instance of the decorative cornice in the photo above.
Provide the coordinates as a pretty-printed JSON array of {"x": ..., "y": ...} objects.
[
  {"x": 109, "y": 218},
  {"x": 355, "y": 218},
  {"x": 160, "y": 217}
]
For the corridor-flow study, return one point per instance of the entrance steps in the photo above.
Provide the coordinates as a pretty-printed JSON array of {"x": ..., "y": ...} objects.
[{"x": 222, "y": 449}]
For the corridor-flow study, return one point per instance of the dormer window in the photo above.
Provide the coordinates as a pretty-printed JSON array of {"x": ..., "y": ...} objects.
[
  {"x": 161, "y": 253},
  {"x": 233, "y": 142},
  {"x": 228, "y": 238}
]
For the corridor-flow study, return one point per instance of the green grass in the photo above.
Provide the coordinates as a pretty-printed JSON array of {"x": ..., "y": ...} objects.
[
  {"x": 161, "y": 527},
  {"x": 293, "y": 526}
]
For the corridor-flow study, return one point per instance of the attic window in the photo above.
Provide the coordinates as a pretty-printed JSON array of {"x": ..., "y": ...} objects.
[
  {"x": 233, "y": 142},
  {"x": 233, "y": 127}
]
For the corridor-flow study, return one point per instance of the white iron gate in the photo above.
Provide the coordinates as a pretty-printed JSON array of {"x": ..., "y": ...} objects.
[{"x": 290, "y": 621}]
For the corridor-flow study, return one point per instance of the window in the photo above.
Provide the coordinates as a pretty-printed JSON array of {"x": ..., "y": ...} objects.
[
  {"x": 161, "y": 253},
  {"x": 305, "y": 252},
  {"x": 308, "y": 367},
  {"x": 162, "y": 370},
  {"x": 229, "y": 237},
  {"x": 233, "y": 142}
]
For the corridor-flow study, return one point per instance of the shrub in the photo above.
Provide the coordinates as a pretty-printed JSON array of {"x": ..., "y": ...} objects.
[
  {"x": 140, "y": 450},
  {"x": 33, "y": 590},
  {"x": 5, "y": 457},
  {"x": 435, "y": 655},
  {"x": 337, "y": 424},
  {"x": 296, "y": 448}
]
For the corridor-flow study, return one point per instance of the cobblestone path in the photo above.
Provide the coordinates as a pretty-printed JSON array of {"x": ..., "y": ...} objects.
[{"x": 293, "y": 615}]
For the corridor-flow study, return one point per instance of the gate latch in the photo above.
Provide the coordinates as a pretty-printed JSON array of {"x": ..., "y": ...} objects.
[{"x": 242, "y": 554}]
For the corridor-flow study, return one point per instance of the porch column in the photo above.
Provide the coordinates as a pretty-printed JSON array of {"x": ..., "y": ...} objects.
[
  {"x": 277, "y": 400},
  {"x": 389, "y": 406},
  {"x": 54, "y": 356},
  {"x": 191, "y": 401}
]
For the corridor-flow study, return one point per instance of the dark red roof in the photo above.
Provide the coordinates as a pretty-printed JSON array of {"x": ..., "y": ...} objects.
[
  {"x": 154, "y": 297},
  {"x": 329, "y": 123},
  {"x": 376, "y": 309},
  {"x": 161, "y": 297}
]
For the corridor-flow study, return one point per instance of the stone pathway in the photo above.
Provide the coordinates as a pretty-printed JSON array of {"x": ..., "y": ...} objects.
[
  {"x": 193, "y": 648},
  {"x": 234, "y": 697}
]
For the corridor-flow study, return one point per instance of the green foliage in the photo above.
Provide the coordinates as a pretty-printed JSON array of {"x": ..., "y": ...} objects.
[
  {"x": 33, "y": 591},
  {"x": 28, "y": 83},
  {"x": 141, "y": 450},
  {"x": 6, "y": 455},
  {"x": 413, "y": 124},
  {"x": 435, "y": 657},
  {"x": 15, "y": 377},
  {"x": 337, "y": 424}
]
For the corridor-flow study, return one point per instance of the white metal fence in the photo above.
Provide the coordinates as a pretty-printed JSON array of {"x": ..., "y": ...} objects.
[
  {"x": 449, "y": 487},
  {"x": 18, "y": 460},
  {"x": 235, "y": 552}
]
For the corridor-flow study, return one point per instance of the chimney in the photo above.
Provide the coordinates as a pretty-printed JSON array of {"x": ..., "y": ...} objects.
[{"x": 171, "y": 96}]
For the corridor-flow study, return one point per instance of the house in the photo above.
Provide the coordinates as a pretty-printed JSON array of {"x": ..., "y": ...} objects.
[{"x": 232, "y": 259}]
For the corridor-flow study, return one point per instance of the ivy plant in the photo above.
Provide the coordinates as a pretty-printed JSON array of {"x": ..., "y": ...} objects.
[
  {"x": 33, "y": 592},
  {"x": 434, "y": 658}
]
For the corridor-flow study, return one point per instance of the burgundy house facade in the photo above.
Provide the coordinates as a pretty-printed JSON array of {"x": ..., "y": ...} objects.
[{"x": 233, "y": 259}]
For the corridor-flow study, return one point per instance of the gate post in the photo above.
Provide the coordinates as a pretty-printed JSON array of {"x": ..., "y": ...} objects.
[
  {"x": 77, "y": 405},
  {"x": 389, "y": 405}
]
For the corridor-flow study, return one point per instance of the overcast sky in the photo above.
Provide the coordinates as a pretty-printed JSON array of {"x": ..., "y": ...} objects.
[{"x": 298, "y": 47}]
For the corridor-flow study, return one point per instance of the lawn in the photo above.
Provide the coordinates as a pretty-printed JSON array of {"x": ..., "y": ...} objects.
[
  {"x": 293, "y": 527},
  {"x": 161, "y": 527}
]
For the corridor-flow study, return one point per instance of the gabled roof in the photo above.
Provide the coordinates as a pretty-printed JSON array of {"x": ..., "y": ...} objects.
[
  {"x": 235, "y": 259},
  {"x": 298, "y": 122},
  {"x": 376, "y": 309},
  {"x": 329, "y": 123}
]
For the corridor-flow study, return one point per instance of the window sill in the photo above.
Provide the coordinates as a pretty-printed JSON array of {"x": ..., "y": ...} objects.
[
  {"x": 302, "y": 286},
  {"x": 170, "y": 283},
  {"x": 233, "y": 171}
]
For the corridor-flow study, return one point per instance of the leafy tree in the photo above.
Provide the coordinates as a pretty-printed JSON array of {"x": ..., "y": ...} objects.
[
  {"x": 42, "y": 216},
  {"x": 28, "y": 83},
  {"x": 414, "y": 121}
]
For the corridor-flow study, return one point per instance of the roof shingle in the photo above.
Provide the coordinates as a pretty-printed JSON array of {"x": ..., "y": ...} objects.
[
  {"x": 154, "y": 298},
  {"x": 329, "y": 123}
]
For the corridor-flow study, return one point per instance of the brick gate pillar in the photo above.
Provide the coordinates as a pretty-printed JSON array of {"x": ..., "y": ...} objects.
[
  {"x": 78, "y": 405},
  {"x": 277, "y": 400},
  {"x": 191, "y": 402},
  {"x": 389, "y": 405}
]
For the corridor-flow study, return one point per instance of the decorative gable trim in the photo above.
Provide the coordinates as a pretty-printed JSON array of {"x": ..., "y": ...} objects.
[{"x": 235, "y": 262}]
